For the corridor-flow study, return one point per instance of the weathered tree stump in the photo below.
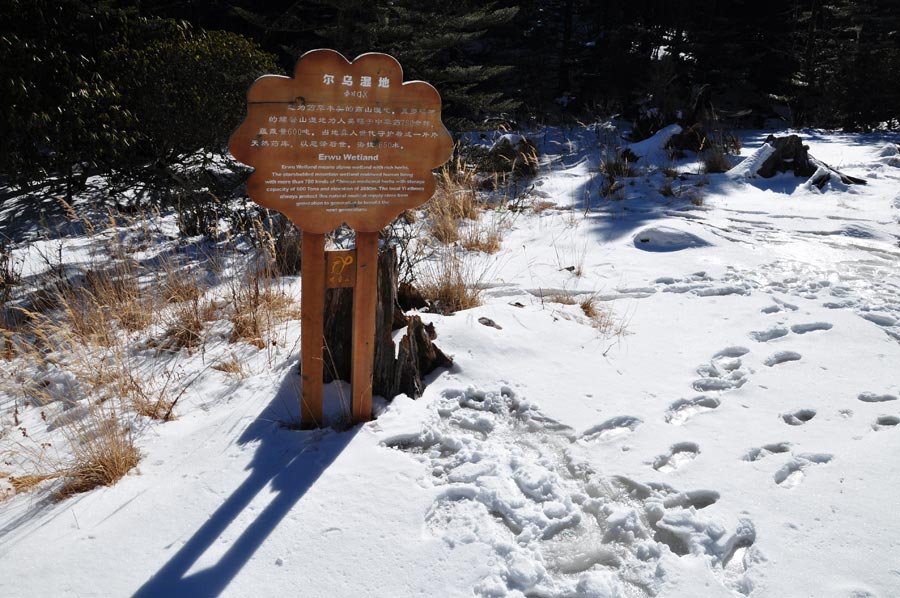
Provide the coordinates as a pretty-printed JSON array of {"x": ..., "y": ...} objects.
[
  {"x": 791, "y": 155},
  {"x": 395, "y": 372}
]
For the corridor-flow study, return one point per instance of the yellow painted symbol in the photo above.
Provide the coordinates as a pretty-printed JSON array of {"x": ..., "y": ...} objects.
[{"x": 337, "y": 269}]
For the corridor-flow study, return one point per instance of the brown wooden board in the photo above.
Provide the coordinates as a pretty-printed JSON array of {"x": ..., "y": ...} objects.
[{"x": 342, "y": 142}]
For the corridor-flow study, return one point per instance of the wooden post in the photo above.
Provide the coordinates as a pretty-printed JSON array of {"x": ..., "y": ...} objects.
[
  {"x": 312, "y": 323},
  {"x": 365, "y": 296}
]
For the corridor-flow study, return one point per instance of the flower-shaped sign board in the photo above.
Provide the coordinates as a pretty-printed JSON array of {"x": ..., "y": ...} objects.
[{"x": 342, "y": 142}]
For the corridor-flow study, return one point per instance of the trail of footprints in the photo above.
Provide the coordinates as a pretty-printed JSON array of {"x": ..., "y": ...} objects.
[
  {"x": 510, "y": 479},
  {"x": 515, "y": 481}
]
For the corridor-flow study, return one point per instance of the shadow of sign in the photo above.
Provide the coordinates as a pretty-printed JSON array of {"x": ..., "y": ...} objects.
[{"x": 286, "y": 462}]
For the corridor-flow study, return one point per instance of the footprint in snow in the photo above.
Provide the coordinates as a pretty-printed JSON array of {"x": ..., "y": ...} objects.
[
  {"x": 724, "y": 371},
  {"x": 880, "y": 318},
  {"x": 779, "y": 307},
  {"x": 678, "y": 456},
  {"x": 799, "y": 417},
  {"x": 612, "y": 428},
  {"x": 761, "y": 452},
  {"x": 811, "y": 327},
  {"x": 782, "y": 357},
  {"x": 764, "y": 336},
  {"x": 871, "y": 397},
  {"x": 886, "y": 421},
  {"x": 682, "y": 410},
  {"x": 793, "y": 471}
]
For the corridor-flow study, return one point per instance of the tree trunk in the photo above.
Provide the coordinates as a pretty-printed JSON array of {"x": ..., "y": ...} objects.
[{"x": 393, "y": 373}]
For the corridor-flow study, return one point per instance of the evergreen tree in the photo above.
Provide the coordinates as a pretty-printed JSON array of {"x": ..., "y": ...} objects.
[{"x": 88, "y": 87}]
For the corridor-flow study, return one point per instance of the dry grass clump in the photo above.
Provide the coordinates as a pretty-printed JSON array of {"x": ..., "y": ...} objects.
[
  {"x": 256, "y": 305},
  {"x": 542, "y": 205},
  {"x": 24, "y": 483},
  {"x": 185, "y": 328},
  {"x": 715, "y": 160},
  {"x": 666, "y": 190},
  {"x": 615, "y": 167},
  {"x": 480, "y": 239},
  {"x": 485, "y": 235},
  {"x": 451, "y": 284},
  {"x": 562, "y": 298},
  {"x": 589, "y": 306},
  {"x": 181, "y": 286},
  {"x": 669, "y": 171},
  {"x": 455, "y": 198},
  {"x": 231, "y": 366},
  {"x": 602, "y": 319},
  {"x": 104, "y": 452}
]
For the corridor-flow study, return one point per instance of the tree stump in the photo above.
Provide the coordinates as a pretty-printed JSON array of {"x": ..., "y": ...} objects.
[
  {"x": 394, "y": 372},
  {"x": 791, "y": 155}
]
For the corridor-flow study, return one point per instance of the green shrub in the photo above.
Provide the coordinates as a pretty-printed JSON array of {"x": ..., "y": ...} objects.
[{"x": 87, "y": 87}]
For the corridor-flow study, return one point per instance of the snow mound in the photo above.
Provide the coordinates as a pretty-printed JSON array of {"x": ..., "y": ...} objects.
[
  {"x": 749, "y": 167},
  {"x": 508, "y": 140},
  {"x": 832, "y": 182},
  {"x": 665, "y": 238},
  {"x": 888, "y": 154},
  {"x": 888, "y": 150},
  {"x": 653, "y": 149}
]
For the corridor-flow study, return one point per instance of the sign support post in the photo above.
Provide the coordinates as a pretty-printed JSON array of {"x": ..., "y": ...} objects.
[
  {"x": 312, "y": 327},
  {"x": 365, "y": 296},
  {"x": 338, "y": 143}
]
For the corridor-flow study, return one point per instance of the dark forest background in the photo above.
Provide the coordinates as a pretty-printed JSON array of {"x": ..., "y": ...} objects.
[{"x": 134, "y": 86}]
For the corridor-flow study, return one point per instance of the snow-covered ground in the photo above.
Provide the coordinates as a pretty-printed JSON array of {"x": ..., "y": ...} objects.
[{"x": 733, "y": 432}]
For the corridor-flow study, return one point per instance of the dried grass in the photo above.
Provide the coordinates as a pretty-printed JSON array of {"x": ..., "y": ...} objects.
[
  {"x": 715, "y": 160},
  {"x": 76, "y": 335},
  {"x": 484, "y": 234},
  {"x": 666, "y": 190},
  {"x": 257, "y": 305},
  {"x": 104, "y": 452},
  {"x": 602, "y": 318},
  {"x": 451, "y": 284},
  {"x": 562, "y": 298},
  {"x": 542, "y": 205},
  {"x": 455, "y": 198},
  {"x": 230, "y": 366},
  {"x": 27, "y": 482}
]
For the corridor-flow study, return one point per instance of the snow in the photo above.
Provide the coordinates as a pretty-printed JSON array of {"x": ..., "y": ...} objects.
[
  {"x": 653, "y": 149},
  {"x": 733, "y": 436},
  {"x": 750, "y": 165}
]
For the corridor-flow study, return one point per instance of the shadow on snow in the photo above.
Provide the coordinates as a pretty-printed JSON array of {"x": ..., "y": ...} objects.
[{"x": 288, "y": 463}]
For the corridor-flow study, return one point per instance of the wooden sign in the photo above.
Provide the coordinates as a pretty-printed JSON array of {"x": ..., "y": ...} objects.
[{"x": 341, "y": 143}]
